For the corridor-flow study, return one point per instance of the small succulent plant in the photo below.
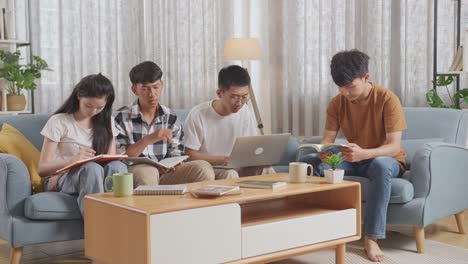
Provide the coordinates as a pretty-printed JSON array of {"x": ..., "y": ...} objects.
[{"x": 334, "y": 160}]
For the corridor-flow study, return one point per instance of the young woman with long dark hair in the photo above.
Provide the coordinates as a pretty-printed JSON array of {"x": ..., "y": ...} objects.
[{"x": 81, "y": 128}]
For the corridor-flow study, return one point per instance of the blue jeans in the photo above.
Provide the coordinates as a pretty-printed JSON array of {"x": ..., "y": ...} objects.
[
  {"x": 379, "y": 171},
  {"x": 88, "y": 179}
]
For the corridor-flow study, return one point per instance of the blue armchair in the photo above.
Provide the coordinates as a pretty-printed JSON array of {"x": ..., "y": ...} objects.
[
  {"x": 27, "y": 218},
  {"x": 435, "y": 183}
]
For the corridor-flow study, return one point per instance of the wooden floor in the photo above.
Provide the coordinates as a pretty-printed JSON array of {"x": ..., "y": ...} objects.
[{"x": 444, "y": 231}]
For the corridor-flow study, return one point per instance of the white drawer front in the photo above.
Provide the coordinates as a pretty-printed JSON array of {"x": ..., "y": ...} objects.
[
  {"x": 203, "y": 235},
  {"x": 270, "y": 237}
]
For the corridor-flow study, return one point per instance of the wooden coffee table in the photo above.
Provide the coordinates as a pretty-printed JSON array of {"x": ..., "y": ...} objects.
[{"x": 257, "y": 226}]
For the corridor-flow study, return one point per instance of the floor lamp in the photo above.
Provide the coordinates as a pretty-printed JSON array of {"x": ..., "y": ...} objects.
[{"x": 244, "y": 49}]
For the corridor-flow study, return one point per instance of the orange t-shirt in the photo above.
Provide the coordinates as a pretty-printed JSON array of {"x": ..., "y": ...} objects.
[{"x": 367, "y": 122}]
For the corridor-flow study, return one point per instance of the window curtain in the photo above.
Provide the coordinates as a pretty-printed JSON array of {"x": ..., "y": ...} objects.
[
  {"x": 397, "y": 35},
  {"x": 292, "y": 81},
  {"x": 84, "y": 37}
]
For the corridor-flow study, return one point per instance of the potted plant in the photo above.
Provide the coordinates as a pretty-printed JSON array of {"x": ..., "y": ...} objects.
[
  {"x": 334, "y": 175},
  {"x": 456, "y": 101},
  {"x": 19, "y": 77}
]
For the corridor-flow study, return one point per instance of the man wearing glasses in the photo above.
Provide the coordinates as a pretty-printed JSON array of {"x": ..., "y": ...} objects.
[
  {"x": 149, "y": 129},
  {"x": 212, "y": 127}
]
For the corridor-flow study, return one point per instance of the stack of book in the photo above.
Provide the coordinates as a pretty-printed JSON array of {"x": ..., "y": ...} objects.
[{"x": 262, "y": 184}]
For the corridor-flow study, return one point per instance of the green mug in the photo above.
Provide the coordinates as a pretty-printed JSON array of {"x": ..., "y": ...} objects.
[{"x": 120, "y": 183}]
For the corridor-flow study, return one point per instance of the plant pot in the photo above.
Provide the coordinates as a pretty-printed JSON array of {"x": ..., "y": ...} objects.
[
  {"x": 334, "y": 176},
  {"x": 16, "y": 102}
]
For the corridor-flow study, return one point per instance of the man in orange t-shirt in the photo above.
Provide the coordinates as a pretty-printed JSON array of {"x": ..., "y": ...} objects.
[{"x": 372, "y": 120}]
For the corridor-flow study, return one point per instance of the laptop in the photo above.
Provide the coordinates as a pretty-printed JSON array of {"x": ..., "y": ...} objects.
[{"x": 264, "y": 150}]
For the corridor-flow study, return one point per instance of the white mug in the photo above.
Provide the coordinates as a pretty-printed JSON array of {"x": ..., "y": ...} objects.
[{"x": 298, "y": 172}]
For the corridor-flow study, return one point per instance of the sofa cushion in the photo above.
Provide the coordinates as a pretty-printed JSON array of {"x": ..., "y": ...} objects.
[
  {"x": 402, "y": 189},
  {"x": 412, "y": 145},
  {"x": 14, "y": 143},
  {"x": 289, "y": 153},
  {"x": 52, "y": 206}
]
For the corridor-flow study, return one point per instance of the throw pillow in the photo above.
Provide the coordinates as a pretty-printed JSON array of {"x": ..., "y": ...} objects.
[{"x": 15, "y": 143}]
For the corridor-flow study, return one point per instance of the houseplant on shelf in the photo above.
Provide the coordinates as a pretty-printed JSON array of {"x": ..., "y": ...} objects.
[
  {"x": 19, "y": 77},
  {"x": 456, "y": 101},
  {"x": 334, "y": 175}
]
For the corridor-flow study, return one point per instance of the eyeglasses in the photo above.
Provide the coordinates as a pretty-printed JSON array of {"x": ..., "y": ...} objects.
[{"x": 241, "y": 98}]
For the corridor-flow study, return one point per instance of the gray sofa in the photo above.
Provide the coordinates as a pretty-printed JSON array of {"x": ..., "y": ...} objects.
[
  {"x": 436, "y": 182},
  {"x": 433, "y": 188},
  {"x": 27, "y": 218}
]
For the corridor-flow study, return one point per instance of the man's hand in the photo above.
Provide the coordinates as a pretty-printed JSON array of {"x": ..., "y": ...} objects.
[
  {"x": 354, "y": 153},
  {"x": 223, "y": 161},
  {"x": 164, "y": 170},
  {"x": 161, "y": 134}
]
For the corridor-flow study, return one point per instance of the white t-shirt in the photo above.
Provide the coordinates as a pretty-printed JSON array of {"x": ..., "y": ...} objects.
[
  {"x": 64, "y": 129},
  {"x": 214, "y": 134}
]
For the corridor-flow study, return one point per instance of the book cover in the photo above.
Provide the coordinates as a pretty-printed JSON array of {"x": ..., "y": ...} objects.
[
  {"x": 262, "y": 184},
  {"x": 323, "y": 147},
  {"x": 166, "y": 163},
  {"x": 176, "y": 189},
  {"x": 103, "y": 158},
  {"x": 215, "y": 191}
]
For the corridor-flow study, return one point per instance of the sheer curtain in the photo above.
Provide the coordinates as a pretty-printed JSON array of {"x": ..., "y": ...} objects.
[
  {"x": 82, "y": 37},
  {"x": 304, "y": 35},
  {"x": 298, "y": 38}
]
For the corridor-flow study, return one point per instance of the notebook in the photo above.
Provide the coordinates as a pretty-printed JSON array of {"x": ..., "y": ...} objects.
[
  {"x": 177, "y": 189},
  {"x": 103, "y": 158}
]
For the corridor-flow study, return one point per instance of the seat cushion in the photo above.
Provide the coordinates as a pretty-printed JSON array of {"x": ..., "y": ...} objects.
[
  {"x": 14, "y": 143},
  {"x": 52, "y": 206},
  {"x": 402, "y": 189}
]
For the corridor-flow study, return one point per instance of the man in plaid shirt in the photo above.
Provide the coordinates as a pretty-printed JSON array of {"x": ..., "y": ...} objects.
[{"x": 149, "y": 129}]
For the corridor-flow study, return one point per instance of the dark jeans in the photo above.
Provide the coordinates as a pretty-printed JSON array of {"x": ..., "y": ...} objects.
[{"x": 379, "y": 171}]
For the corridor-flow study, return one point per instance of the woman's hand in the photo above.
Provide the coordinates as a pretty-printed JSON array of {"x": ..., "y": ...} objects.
[{"x": 85, "y": 153}]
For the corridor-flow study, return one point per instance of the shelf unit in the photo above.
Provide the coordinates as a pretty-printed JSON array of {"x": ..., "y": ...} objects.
[
  {"x": 455, "y": 74},
  {"x": 16, "y": 30}
]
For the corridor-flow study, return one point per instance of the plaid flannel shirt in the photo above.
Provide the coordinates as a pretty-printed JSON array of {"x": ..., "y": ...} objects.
[{"x": 132, "y": 127}]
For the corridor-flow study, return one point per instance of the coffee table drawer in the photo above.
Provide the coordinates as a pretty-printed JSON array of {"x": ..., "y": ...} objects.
[
  {"x": 202, "y": 235},
  {"x": 318, "y": 226}
]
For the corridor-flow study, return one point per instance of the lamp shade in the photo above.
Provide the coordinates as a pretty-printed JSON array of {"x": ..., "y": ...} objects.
[{"x": 241, "y": 49}]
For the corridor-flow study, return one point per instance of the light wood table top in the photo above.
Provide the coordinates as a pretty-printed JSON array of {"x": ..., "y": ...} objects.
[{"x": 155, "y": 204}]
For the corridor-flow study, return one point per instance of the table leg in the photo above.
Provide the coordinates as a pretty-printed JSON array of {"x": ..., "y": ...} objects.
[{"x": 340, "y": 252}]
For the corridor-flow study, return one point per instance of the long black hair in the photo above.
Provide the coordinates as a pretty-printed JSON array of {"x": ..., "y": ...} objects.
[{"x": 94, "y": 85}]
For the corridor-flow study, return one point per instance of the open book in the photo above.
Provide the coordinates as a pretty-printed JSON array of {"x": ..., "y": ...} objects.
[
  {"x": 103, "y": 158},
  {"x": 323, "y": 147},
  {"x": 176, "y": 189},
  {"x": 166, "y": 163},
  {"x": 212, "y": 191}
]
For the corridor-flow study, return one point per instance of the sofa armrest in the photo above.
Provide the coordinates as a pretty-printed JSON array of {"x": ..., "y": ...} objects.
[
  {"x": 438, "y": 173},
  {"x": 15, "y": 185}
]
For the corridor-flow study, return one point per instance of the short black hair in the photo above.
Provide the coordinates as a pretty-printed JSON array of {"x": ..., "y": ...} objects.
[
  {"x": 348, "y": 65},
  {"x": 145, "y": 72},
  {"x": 233, "y": 75}
]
